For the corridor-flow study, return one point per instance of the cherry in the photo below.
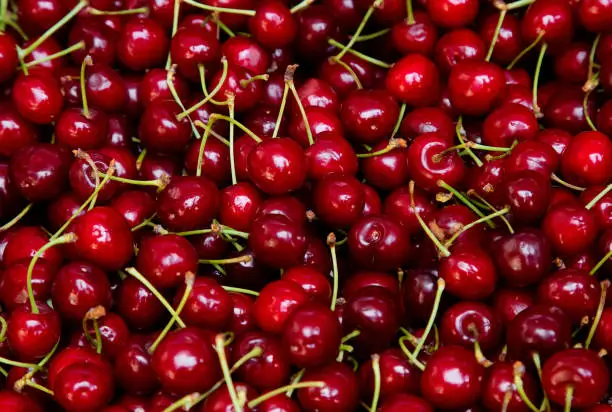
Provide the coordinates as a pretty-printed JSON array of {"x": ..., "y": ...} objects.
[
  {"x": 13, "y": 401},
  {"x": 262, "y": 120},
  {"x": 465, "y": 323},
  {"x": 594, "y": 14},
  {"x": 469, "y": 273},
  {"x": 509, "y": 42},
  {"x": 37, "y": 97},
  {"x": 499, "y": 382},
  {"x": 570, "y": 228},
  {"x": 451, "y": 14},
  {"x": 221, "y": 400},
  {"x": 105, "y": 88},
  {"x": 190, "y": 47},
  {"x": 184, "y": 362},
  {"x": 484, "y": 83},
  {"x": 238, "y": 205},
  {"x": 215, "y": 160},
  {"x": 539, "y": 328},
  {"x": 31, "y": 334},
  {"x": 246, "y": 272},
  {"x": 84, "y": 385},
  {"x": 378, "y": 242},
  {"x": 142, "y": 43},
  {"x": 133, "y": 369},
  {"x": 134, "y": 205},
  {"x": 78, "y": 287},
  {"x": 24, "y": 242},
  {"x": 427, "y": 120},
  {"x": 114, "y": 335},
  {"x": 532, "y": 155},
  {"x": 340, "y": 79},
  {"x": 154, "y": 86},
  {"x": 99, "y": 41},
  {"x": 16, "y": 132},
  {"x": 419, "y": 36},
  {"x": 565, "y": 109},
  {"x": 209, "y": 245},
  {"x": 77, "y": 130},
  {"x": 398, "y": 205},
  {"x": 321, "y": 121},
  {"x": 507, "y": 303},
  {"x": 581, "y": 370},
  {"x": 161, "y": 131},
  {"x": 312, "y": 281},
  {"x": 139, "y": 307},
  {"x": 315, "y": 26},
  {"x": 551, "y": 20},
  {"x": 341, "y": 390},
  {"x": 275, "y": 303},
  {"x": 36, "y": 16},
  {"x": 389, "y": 170},
  {"x": 604, "y": 118},
  {"x": 273, "y": 25},
  {"x": 207, "y": 306},
  {"x": 246, "y": 95},
  {"x": 82, "y": 176},
  {"x": 330, "y": 154},
  {"x": 242, "y": 318},
  {"x": 338, "y": 200},
  {"x": 188, "y": 202},
  {"x": 572, "y": 65},
  {"x": 588, "y": 159},
  {"x": 13, "y": 284},
  {"x": 458, "y": 389},
  {"x": 280, "y": 403},
  {"x": 69, "y": 356},
  {"x": 8, "y": 57},
  {"x": 406, "y": 402},
  {"x": 528, "y": 194},
  {"x": 270, "y": 369},
  {"x": 507, "y": 124},
  {"x": 369, "y": 115},
  {"x": 277, "y": 166},
  {"x": 103, "y": 238},
  {"x": 246, "y": 53},
  {"x": 414, "y": 80}
]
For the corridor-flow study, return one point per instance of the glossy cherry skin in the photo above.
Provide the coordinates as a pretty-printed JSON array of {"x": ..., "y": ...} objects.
[
  {"x": 398, "y": 376},
  {"x": 378, "y": 242},
  {"x": 386, "y": 171},
  {"x": 273, "y": 25},
  {"x": 78, "y": 287},
  {"x": 467, "y": 322},
  {"x": 103, "y": 238},
  {"x": 160, "y": 130},
  {"x": 24, "y": 242},
  {"x": 238, "y": 205},
  {"x": 574, "y": 291},
  {"x": 221, "y": 400},
  {"x": 215, "y": 160},
  {"x": 312, "y": 334},
  {"x": 532, "y": 155},
  {"x": 452, "y": 378},
  {"x": 245, "y": 97},
  {"x": 405, "y": 402},
  {"x": 153, "y": 86},
  {"x": 570, "y": 228},
  {"x": 417, "y": 37},
  {"x": 8, "y": 57},
  {"x": 99, "y": 41},
  {"x": 451, "y": 14},
  {"x": 37, "y": 97},
  {"x": 190, "y": 47},
  {"x": 418, "y": 295},
  {"x": 499, "y": 380},
  {"x": 369, "y": 115},
  {"x": 426, "y": 164},
  {"x": 314, "y": 283},
  {"x": 275, "y": 303},
  {"x": 595, "y": 15},
  {"x": 16, "y": 132},
  {"x": 588, "y": 159},
  {"x": 528, "y": 194},
  {"x": 84, "y": 386},
  {"x": 475, "y": 87},
  {"x": 539, "y": 328},
  {"x": 414, "y": 80},
  {"x": 602, "y": 210},
  {"x": 134, "y": 205},
  {"x": 321, "y": 121},
  {"x": 341, "y": 79},
  {"x": 509, "y": 123},
  {"x": 33, "y": 335},
  {"x": 269, "y": 370},
  {"x": 581, "y": 369},
  {"x": 330, "y": 154},
  {"x": 138, "y": 306},
  {"x": 277, "y": 242},
  {"x": 13, "y": 401},
  {"x": 188, "y": 202},
  {"x": 469, "y": 273},
  {"x": 565, "y": 109},
  {"x": 550, "y": 19},
  {"x": 277, "y": 166},
  {"x": 456, "y": 46},
  {"x": 120, "y": 131},
  {"x": 133, "y": 368},
  {"x": 246, "y": 53},
  {"x": 242, "y": 317},
  {"x": 509, "y": 41},
  {"x": 142, "y": 44},
  {"x": 338, "y": 200},
  {"x": 185, "y": 362},
  {"x": 315, "y": 26},
  {"x": 76, "y": 131},
  {"x": 13, "y": 284},
  {"x": 208, "y": 306},
  {"x": 427, "y": 120},
  {"x": 523, "y": 258},
  {"x": 398, "y": 205},
  {"x": 341, "y": 390},
  {"x": 164, "y": 260},
  {"x": 40, "y": 171},
  {"x": 114, "y": 334}
]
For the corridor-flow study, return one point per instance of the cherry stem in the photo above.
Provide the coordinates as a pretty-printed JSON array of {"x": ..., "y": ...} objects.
[
  {"x": 96, "y": 12},
  {"x": 360, "y": 28},
  {"x": 362, "y": 56},
  {"x": 159, "y": 183},
  {"x": 432, "y": 317},
  {"x": 500, "y": 22},
  {"x": 3, "y": 330},
  {"x": 240, "y": 290},
  {"x": 39, "y": 387},
  {"x": 133, "y": 272},
  {"x": 208, "y": 97},
  {"x": 331, "y": 242},
  {"x": 140, "y": 159},
  {"x": 87, "y": 61},
  {"x": 512, "y": 6},
  {"x": 350, "y": 71},
  {"x": 492, "y": 208},
  {"x": 301, "y": 6},
  {"x": 15, "y": 27},
  {"x": 289, "y": 72},
  {"x": 464, "y": 200},
  {"x": 18, "y": 364},
  {"x": 376, "y": 372},
  {"x": 202, "y": 71},
  {"x": 393, "y": 144},
  {"x": 215, "y": 228},
  {"x": 222, "y": 26},
  {"x": 592, "y": 56},
  {"x": 600, "y": 308},
  {"x": 245, "y": 82},
  {"x": 16, "y": 219},
  {"x": 562, "y": 182},
  {"x": 399, "y": 120},
  {"x": 519, "y": 370},
  {"x": 230, "y": 100},
  {"x": 239, "y": 259},
  {"x": 376, "y": 34},
  {"x": 475, "y": 223},
  {"x": 536, "y": 79},
  {"x": 298, "y": 385},
  {"x": 67, "y": 238},
  {"x": 409, "y": 354},
  {"x": 220, "y": 9},
  {"x": 460, "y": 132},
  {"x": 600, "y": 196},
  {"x": 587, "y": 116},
  {"x": 186, "y": 403},
  {"x": 94, "y": 314},
  {"x": 77, "y": 46},
  {"x": 3, "y": 14},
  {"x": 189, "y": 281},
  {"x": 220, "y": 349},
  {"x": 525, "y": 51},
  {"x": 601, "y": 262},
  {"x": 171, "y": 71},
  {"x": 569, "y": 393},
  {"x": 216, "y": 116},
  {"x": 289, "y": 82},
  {"x": 443, "y": 251},
  {"x": 350, "y": 336},
  {"x": 480, "y": 357}
]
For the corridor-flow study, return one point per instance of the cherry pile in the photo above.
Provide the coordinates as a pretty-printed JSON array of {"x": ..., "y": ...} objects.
[{"x": 316, "y": 205}]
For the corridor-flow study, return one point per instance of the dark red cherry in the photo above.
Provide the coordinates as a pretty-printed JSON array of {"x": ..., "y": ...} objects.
[
  {"x": 509, "y": 123},
  {"x": 164, "y": 260},
  {"x": 418, "y": 295},
  {"x": 528, "y": 195},
  {"x": 315, "y": 26},
  {"x": 277, "y": 166},
  {"x": 114, "y": 334},
  {"x": 246, "y": 53},
  {"x": 532, "y": 155},
  {"x": 601, "y": 210},
  {"x": 378, "y": 242},
  {"x": 84, "y": 386},
  {"x": 398, "y": 205},
  {"x": 565, "y": 110},
  {"x": 71, "y": 355},
  {"x": 469, "y": 273},
  {"x": 103, "y": 238},
  {"x": 154, "y": 87},
  {"x": 238, "y": 205},
  {"x": 414, "y": 80},
  {"x": 246, "y": 95},
  {"x": 456, "y": 46},
  {"x": 50, "y": 47},
  {"x": 452, "y": 13},
  {"x": 187, "y": 203},
  {"x": 405, "y": 402},
  {"x": 37, "y": 97},
  {"x": 215, "y": 160},
  {"x": 75, "y": 130},
  {"x": 161, "y": 131},
  {"x": 572, "y": 64},
  {"x": 275, "y": 303},
  {"x": 273, "y": 25},
  {"x": 16, "y": 131},
  {"x": 13, "y": 284},
  {"x": 570, "y": 228},
  {"x": 595, "y": 15},
  {"x": 341, "y": 390},
  {"x": 40, "y": 171},
  {"x": 133, "y": 367},
  {"x": 509, "y": 40},
  {"x": 341, "y": 80},
  {"x": 507, "y": 303},
  {"x": 277, "y": 241},
  {"x": 386, "y": 171},
  {"x": 267, "y": 371},
  {"x": 78, "y": 287},
  {"x": 100, "y": 41},
  {"x": 465, "y": 323},
  {"x": 321, "y": 121},
  {"x": 330, "y": 154},
  {"x": 369, "y": 115},
  {"x": 312, "y": 281},
  {"x": 221, "y": 400},
  {"x": 551, "y": 20},
  {"x": 499, "y": 382},
  {"x": 105, "y": 88},
  {"x": 142, "y": 44},
  {"x": 135, "y": 206},
  {"x": 484, "y": 82},
  {"x": 8, "y": 57},
  {"x": 33, "y": 335},
  {"x": 427, "y": 120},
  {"x": 459, "y": 389},
  {"x": 24, "y": 242},
  {"x": 138, "y": 306},
  {"x": 419, "y": 36},
  {"x": 582, "y": 370},
  {"x": 242, "y": 318},
  {"x": 208, "y": 306},
  {"x": 588, "y": 159},
  {"x": 262, "y": 121},
  {"x": 36, "y": 16},
  {"x": 83, "y": 180},
  {"x": 190, "y": 47},
  {"x": 282, "y": 403},
  {"x": 338, "y": 200},
  {"x": 17, "y": 402}
]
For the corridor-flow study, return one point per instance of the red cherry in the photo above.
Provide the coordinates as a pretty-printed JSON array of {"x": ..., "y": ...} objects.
[
  {"x": 154, "y": 86},
  {"x": 133, "y": 369},
  {"x": 507, "y": 303},
  {"x": 208, "y": 305},
  {"x": 507, "y": 124},
  {"x": 33, "y": 335},
  {"x": 499, "y": 381},
  {"x": 588, "y": 159},
  {"x": 76, "y": 130},
  {"x": 37, "y": 97},
  {"x": 469, "y": 273},
  {"x": 84, "y": 385},
  {"x": 414, "y": 80},
  {"x": 406, "y": 402},
  {"x": 465, "y": 323},
  {"x": 484, "y": 83},
  {"x": 23, "y": 243},
  {"x": 341, "y": 390},
  {"x": 369, "y": 115},
  {"x": 277, "y": 166},
  {"x": 161, "y": 131},
  {"x": 570, "y": 228},
  {"x": 452, "y": 13},
  {"x": 275, "y": 303},
  {"x": 509, "y": 40},
  {"x": 142, "y": 44},
  {"x": 273, "y": 24},
  {"x": 338, "y": 200},
  {"x": 427, "y": 120},
  {"x": 419, "y": 36},
  {"x": 17, "y": 132},
  {"x": 191, "y": 46},
  {"x": 13, "y": 284},
  {"x": 550, "y": 19},
  {"x": 330, "y": 155},
  {"x": 245, "y": 53},
  {"x": 312, "y": 281},
  {"x": 164, "y": 260}
]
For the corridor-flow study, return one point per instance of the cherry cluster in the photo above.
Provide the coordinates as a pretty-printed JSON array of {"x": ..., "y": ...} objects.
[{"x": 316, "y": 205}]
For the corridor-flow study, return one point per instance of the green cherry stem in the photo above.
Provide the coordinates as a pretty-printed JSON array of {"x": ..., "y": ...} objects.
[
  {"x": 409, "y": 354},
  {"x": 399, "y": 120},
  {"x": 601, "y": 262},
  {"x": 289, "y": 72},
  {"x": 208, "y": 97},
  {"x": 600, "y": 308},
  {"x": 240, "y": 290},
  {"x": 3, "y": 330},
  {"x": 298, "y": 385},
  {"x": 94, "y": 314},
  {"x": 492, "y": 208},
  {"x": 464, "y": 200},
  {"x": 331, "y": 243},
  {"x": 360, "y": 28},
  {"x": 409, "y": 17},
  {"x": 393, "y": 144},
  {"x": 67, "y": 238},
  {"x": 348, "y": 68},
  {"x": 227, "y": 375},
  {"x": 301, "y": 6},
  {"x": 500, "y": 22},
  {"x": 587, "y": 116},
  {"x": 362, "y": 56},
  {"x": 289, "y": 82},
  {"x": 96, "y": 12},
  {"x": 230, "y": 101},
  {"x": 569, "y": 393},
  {"x": 202, "y": 71},
  {"x": 220, "y": 9},
  {"x": 186, "y": 403},
  {"x": 77, "y": 46},
  {"x": 87, "y": 61},
  {"x": 519, "y": 371},
  {"x": 217, "y": 116},
  {"x": 460, "y": 132},
  {"x": 562, "y": 182},
  {"x": 592, "y": 56},
  {"x": 16, "y": 219},
  {"x": 221, "y": 25},
  {"x": 376, "y": 373},
  {"x": 513, "y": 6},
  {"x": 443, "y": 251},
  {"x": 432, "y": 317},
  {"x": 377, "y": 34},
  {"x": 171, "y": 71},
  {"x": 3, "y": 14},
  {"x": 239, "y": 259},
  {"x": 475, "y": 223},
  {"x": 525, "y": 51},
  {"x": 536, "y": 79},
  {"x": 599, "y": 196},
  {"x": 15, "y": 27}
]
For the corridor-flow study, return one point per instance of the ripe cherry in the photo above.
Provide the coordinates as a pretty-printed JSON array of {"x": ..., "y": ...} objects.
[
  {"x": 33, "y": 334},
  {"x": 142, "y": 44},
  {"x": 84, "y": 385},
  {"x": 330, "y": 154},
  {"x": 341, "y": 390},
  {"x": 465, "y": 323},
  {"x": 456, "y": 46},
  {"x": 161, "y": 131},
  {"x": 208, "y": 305},
  {"x": 419, "y": 36},
  {"x": 154, "y": 86},
  {"x": 17, "y": 132},
  {"x": 275, "y": 303},
  {"x": 191, "y": 47},
  {"x": 485, "y": 83},
  {"x": 451, "y": 14},
  {"x": 133, "y": 369},
  {"x": 570, "y": 228},
  {"x": 588, "y": 159},
  {"x": 499, "y": 382},
  {"x": 238, "y": 205},
  {"x": 386, "y": 171},
  {"x": 338, "y": 200},
  {"x": 24, "y": 242},
  {"x": 507, "y": 124},
  {"x": 427, "y": 120},
  {"x": 273, "y": 25},
  {"x": 37, "y": 97},
  {"x": 369, "y": 115},
  {"x": 469, "y": 273},
  {"x": 13, "y": 284},
  {"x": 277, "y": 166},
  {"x": 414, "y": 80}
]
